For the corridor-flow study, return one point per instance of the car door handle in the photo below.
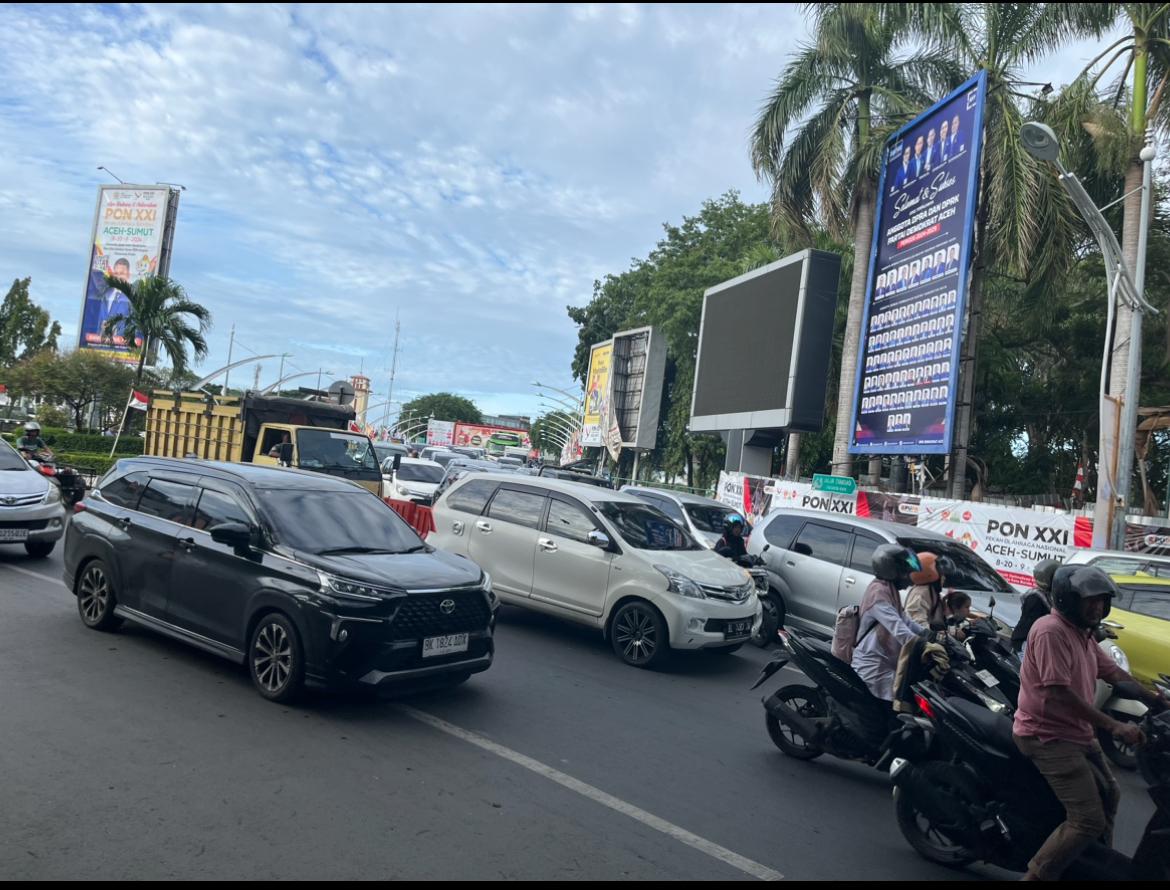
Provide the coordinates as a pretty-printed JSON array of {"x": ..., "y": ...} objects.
[
  {"x": 547, "y": 544},
  {"x": 850, "y": 580},
  {"x": 187, "y": 544},
  {"x": 485, "y": 527},
  {"x": 790, "y": 562}
]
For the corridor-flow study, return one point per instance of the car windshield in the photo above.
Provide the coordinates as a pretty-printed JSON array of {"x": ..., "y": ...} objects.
[
  {"x": 10, "y": 459},
  {"x": 420, "y": 473},
  {"x": 335, "y": 450},
  {"x": 1120, "y": 565},
  {"x": 646, "y": 528},
  {"x": 969, "y": 571},
  {"x": 708, "y": 519},
  {"x": 321, "y": 521},
  {"x": 385, "y": 452}
]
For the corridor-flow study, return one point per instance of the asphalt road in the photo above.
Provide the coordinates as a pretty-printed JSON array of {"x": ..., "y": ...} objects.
[{"x": 129, "y": 756}]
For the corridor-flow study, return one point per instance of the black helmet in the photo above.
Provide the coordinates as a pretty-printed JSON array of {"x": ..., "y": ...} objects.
[
  {"x": 1043, "y": 573},
  {"x": 1071, "y": 585},
  {"x": 732, "y": 520},
  {"x": 893, "y": 562}
]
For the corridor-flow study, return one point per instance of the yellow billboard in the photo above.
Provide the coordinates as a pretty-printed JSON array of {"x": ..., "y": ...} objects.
[{"x": 597, "y": 395}]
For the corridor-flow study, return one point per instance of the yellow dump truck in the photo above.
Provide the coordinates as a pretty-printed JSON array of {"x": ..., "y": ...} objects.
[{"x": 280, "y": 432}]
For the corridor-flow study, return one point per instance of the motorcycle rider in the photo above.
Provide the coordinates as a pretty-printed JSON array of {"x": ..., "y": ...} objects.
[
  {"x": 883, "y": 625},
  {"x": 1055, "y": 722},
  {"x": 924, "y": 602},
  {"x": 31, "y": 441},
  {"x": 732, "y": 544},
  {"x": 1036, "y": 603}
]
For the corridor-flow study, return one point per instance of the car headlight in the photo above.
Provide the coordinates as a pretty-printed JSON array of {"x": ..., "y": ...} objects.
[
  {"x": 53, "y": 495},
  {"x": 493, "y": 600},
  {"x": 679, "y": 583},
  {"x": 352, "y": 590},
  {"x": 401, "y": 489},
  {"x": 1118, "y": 655}
]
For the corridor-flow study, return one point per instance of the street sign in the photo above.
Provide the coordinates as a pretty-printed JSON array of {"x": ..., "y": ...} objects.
[{"x": 834, "y": 484}]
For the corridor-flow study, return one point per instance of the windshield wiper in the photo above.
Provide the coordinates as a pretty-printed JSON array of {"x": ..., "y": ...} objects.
[
  {"x": 338, "y": 550},
  {"x": 414, "y": 549}
]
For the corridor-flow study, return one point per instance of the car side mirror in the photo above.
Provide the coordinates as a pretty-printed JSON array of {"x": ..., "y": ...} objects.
[
  {"x": 599, "y": 539},
  {"x": 286, "y": 453},
  {"x": 767, "y": 547},
  {"x": 397, "y": 462},
  {"x": 234, "y": 534},
  {"x": 802, "y": 549}
]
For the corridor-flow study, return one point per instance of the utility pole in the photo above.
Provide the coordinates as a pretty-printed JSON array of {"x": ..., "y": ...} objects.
[
  {"x": 228, "y": 373},
  {"x": 393, "y": 370}
]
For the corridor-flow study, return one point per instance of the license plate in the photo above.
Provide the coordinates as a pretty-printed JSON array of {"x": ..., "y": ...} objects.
[
  {"x": 13, "y": 534},
  {"x": 446, "y": 645},
  {"x": 987, "y": 677},
  {"x": 737, "y": 628}
]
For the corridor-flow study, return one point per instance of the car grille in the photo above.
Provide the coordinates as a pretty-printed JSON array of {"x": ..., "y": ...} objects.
[
  {"x": 33, "y": 526},
  {"x": 736, "y": 594},
  {"x": 420, "y": 614},
  {"x": 20, "y": 500}
]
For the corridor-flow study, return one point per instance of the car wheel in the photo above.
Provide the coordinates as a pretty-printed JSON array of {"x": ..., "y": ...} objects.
[
  {"x": 276, "y": 659},
  {"x": 639, "y": 635},
  {"x": 96, "y": 598},
  {"x": 39, "y": 549},
  {"x": 771, "y": 622}
]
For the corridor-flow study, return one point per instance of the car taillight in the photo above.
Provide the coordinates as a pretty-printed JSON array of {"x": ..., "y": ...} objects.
[
  {"x": 924, "y": 706},
  {"x": 79, "y": 507}
]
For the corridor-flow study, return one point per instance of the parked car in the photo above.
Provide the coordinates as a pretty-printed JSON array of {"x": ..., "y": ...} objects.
[
  {"x": 32, "y": 511},
  {"x": 818, "y": 563},
  {"x": 1143, "y": 611},
  {"x": 415, "y": 480},
  {"x": 599, "y": 558},
  {"x": 298, "y": 575},
  {"x": 1122, "y": 562},
  {"x": 702, "y": 517}
]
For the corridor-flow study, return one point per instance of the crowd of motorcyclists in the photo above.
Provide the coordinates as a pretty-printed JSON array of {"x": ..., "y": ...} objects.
[{"x": 1056, "y": 668}]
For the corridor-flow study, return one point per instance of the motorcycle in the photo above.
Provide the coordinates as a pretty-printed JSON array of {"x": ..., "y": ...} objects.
[
  {"x": 986, "y": 801},
  {"x": 1116, "y": 706},
  {"x": 756, "y": 567},
  {"x": 839, "y": 715},
  {"x": 71, "y": 483}
]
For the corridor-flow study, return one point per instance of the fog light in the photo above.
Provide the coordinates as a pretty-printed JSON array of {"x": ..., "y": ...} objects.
[
  {"x": 344, "y": 635},
  {"x": 696, "y": 625},
  {"x": 54, "y": 523}
]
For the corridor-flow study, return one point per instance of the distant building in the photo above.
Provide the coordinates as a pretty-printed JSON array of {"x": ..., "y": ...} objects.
[{"x": 508, "y": 421}]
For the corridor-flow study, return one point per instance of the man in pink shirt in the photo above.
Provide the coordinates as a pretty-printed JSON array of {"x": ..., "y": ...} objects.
[{"x": 1056, "y": 722}]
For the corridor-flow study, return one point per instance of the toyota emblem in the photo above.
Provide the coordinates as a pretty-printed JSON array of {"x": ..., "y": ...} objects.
[
  {"x": 9, "y": 501},
  {"x": 447, "y": 606}
]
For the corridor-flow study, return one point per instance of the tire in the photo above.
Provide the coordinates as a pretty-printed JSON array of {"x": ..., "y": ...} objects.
[
  {"x": 920, "y": 833},
  {"x": 639, "y": 635},
  {"x": 276, "y": 659},
  {"x": 96, "y": 597},
  {"x": 1121, "y": 754},
  {"x": 806, "y": 701},
  {"x": 39, "y": 549},
  {"x": 773, "y": 618}
]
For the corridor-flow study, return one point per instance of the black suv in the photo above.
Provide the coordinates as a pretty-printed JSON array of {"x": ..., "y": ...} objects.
[{"x": 298, "y": 575}]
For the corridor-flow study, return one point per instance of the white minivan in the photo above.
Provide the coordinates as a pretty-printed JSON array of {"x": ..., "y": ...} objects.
[
  {"x": 414, "y": 479},
  {"x": 600, "y": 558}
]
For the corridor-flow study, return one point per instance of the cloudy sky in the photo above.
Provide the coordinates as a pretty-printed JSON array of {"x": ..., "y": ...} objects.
[{"x": 473, "y": 170}]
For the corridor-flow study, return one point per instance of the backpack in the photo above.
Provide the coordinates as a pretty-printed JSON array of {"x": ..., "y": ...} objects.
[{"x": 845, "y": 628}]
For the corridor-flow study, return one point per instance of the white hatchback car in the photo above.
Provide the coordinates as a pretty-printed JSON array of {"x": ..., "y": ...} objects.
[
  {"x": 415, "y": 479},
  {"x": 600, "y": 558}
]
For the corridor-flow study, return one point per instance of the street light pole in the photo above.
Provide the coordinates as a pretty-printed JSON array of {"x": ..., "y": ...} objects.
[{"x": 1118, "y": 422}]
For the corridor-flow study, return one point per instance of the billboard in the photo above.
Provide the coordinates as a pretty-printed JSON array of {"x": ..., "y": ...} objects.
[
  {"x": 639, "y": 366},
  {"x": 440, "y": 432},
  {"x": 130, "y": 241},
  {"x": 908, "y": 358},
  {"x": 765, "y": 342},
  {"x": 476, "y": 435},
  {"x": 597, "y": 395}
]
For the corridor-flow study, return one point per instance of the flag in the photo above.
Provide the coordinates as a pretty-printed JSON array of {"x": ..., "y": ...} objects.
[
  {"x": 1079, "y": 485},
  {"x": 353, "y": 427},
  {"x": 138, "y": 400}
]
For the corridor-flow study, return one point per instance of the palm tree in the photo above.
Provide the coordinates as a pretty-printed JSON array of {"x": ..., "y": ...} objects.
[
  {"x": 860, "y": 77},
  {"x": 160, "y": 314}
]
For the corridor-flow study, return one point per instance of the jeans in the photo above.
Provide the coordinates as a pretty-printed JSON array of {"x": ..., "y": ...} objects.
[{"x": 1084, "y": 785}]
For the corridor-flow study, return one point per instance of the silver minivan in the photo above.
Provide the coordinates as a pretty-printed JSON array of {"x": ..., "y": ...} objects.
[{"x": 819, "y": 562}]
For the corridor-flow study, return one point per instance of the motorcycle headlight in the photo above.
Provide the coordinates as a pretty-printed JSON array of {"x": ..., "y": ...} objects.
[
  {"x": 678, "y": 583},
  {"x": 1118, "y": 655}
]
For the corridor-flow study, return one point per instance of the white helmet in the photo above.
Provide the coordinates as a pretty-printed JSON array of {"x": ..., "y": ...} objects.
[{"x": 32, "y": 428}]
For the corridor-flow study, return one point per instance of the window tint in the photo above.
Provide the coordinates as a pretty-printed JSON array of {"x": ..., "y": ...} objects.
[
  {"x": 125, "y": 492},
  {"x": 1154, "y": 603},
  {"x": 782, "y": 529},
  {"x": 216, "y": 508},
  {"x": 569, "y": 521},
  {"x": 645, "y": 527},
  {"x": 518, "y": 507},
  {"x": 472, "y": 497},
  {"x": 167, "y": 500},
  {"x": 827, "y": 544},
  {"x": 863, "y": 548},
  {"x": 709, "y": 519},
  {"x": 669, "y": 507}
]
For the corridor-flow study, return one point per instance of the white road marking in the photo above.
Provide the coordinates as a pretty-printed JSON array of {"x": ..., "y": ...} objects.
[
  {"x": 49, "y": 578},
  {"x": 712, "y": 849}
]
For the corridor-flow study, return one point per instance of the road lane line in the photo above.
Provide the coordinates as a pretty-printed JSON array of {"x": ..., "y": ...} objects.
[
  {"x": 50, "y": 578},
  {"x": 712, "y": 849}
]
